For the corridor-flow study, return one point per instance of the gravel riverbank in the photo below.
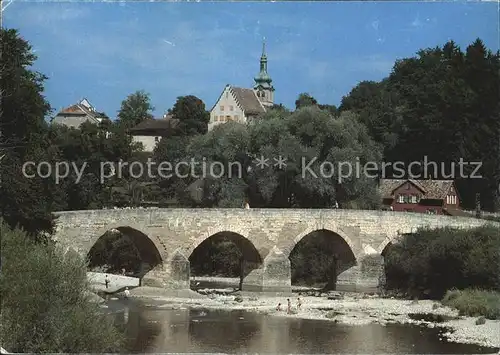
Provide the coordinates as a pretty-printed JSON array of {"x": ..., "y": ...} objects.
[{"x": 350, "y": 309}]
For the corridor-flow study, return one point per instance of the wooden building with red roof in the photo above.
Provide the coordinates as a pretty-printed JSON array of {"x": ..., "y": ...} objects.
[{"x": 423, "y": 196}]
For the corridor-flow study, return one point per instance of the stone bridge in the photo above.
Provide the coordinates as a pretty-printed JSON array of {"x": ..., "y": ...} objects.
[{"x": 266, "y": 238}]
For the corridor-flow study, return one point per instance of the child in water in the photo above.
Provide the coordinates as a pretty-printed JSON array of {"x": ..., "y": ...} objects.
[{"x": 278, "y": 307}]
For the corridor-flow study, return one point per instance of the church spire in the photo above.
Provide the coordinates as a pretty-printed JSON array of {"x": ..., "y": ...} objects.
[
  {"x": 263, "y": 81},
  {"x": 263, "y": 60}
]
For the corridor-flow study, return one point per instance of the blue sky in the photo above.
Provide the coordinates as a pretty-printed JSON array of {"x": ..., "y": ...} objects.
[{"x": 106, "y": 50}]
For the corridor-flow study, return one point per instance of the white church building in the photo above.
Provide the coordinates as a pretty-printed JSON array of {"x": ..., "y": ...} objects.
[{"x": 241, "y": 104}]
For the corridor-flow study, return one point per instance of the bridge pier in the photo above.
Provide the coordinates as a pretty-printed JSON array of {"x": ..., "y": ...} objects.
[
  {"x": 367, "y": 275},
  {"x": 273, "y": 276},
  {"x": 172, "y": 275}
]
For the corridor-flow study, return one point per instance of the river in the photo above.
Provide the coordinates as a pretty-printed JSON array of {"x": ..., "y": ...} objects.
[{"x": 151, "y": 329}]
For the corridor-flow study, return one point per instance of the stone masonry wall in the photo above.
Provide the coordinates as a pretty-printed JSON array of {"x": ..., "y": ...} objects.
[{"x": 177, "y": 232}]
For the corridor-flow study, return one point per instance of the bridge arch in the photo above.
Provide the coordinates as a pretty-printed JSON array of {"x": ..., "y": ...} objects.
[
  {"x": 238, "y": 259},
  {"x": 290, "y": 245},
  {"x": 128, "y": 226},
  {"x": 150, "y": 250},
  {"x": 333, "y": 251},
  {"x": 390, "y": 239},
  {"x": 237, "y": 234}
]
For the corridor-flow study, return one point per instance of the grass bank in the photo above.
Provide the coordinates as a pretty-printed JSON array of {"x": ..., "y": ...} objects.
[{"x": 474, "y": 302}]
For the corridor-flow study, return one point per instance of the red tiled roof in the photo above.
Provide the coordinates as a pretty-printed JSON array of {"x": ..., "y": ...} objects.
[
  {"x": 432, "y": 189},
  {"x": 74, "y": 109},
  {"x": 248, "y": 101},
  {"x": 79, "y": 109}
]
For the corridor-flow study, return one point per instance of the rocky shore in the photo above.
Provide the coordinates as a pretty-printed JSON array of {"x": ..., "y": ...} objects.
[{"x": 344, "y": 308}]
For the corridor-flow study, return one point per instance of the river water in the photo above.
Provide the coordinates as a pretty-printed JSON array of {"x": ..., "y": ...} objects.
[{"x": 151, "y": 329}]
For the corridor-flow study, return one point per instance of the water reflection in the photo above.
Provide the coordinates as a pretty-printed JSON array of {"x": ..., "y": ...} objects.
[{"x": 192, "y": 330}]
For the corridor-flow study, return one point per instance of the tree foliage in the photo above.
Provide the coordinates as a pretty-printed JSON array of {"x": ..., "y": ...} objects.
[
  {"x": 443, "y": 104},
  {"x": 430, "y": 262},
  {"x": 216, "y": 257},
  {"x": 135, "y": 109},
  {"x": 309, "y": 135},
  {"x": 23, "y": 132},
  {"x": 192, "y": 115},
  {"x": 305, "y": 100},
  {"x": 46, "y": 305}
]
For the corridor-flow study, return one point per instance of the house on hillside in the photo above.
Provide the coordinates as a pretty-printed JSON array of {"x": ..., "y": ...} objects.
[
  {"x": 150, "y": 132},
  {"x": 241, "y": 104},
  {"x": 422, "y": 196},
  {"x": 75, "y": 115}
]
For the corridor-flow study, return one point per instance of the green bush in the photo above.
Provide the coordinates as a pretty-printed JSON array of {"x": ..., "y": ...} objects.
[
  {"x": 45, "y": 306},
  {"x": 474, "y": 302},
  {"x": 430, "y": 262}
]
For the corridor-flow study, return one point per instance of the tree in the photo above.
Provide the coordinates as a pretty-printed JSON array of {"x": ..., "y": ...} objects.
[
  {"x": 135, "y": 109},
  {"x": 279, "y": 107},
  {"x": 192, "y": 115},
  {"x": 223, "y": 150},
  {"x": 441, "y": 105},
  {"x": 378, "y": 109},
  {"x": 46, "y": 301},
  {"x": 172, "y": 150},
  {"x": 23, "y": 132},
  {"x": 332, "y": 109},
  {"x": 309, "y": 135},
  {"x": 305, "y": 100}
]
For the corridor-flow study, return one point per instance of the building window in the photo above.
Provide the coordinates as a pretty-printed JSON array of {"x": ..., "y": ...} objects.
[
  {"x": 222, "y": 107},
  {"x": 227, "y": 94},
  {"x": 231, "y": 108},
  {"x": 228, "y": 118},
  {"x": 216, "y": 118},
  {"x": 401, "y": 199},
  {"x": 413, "y": 199}
]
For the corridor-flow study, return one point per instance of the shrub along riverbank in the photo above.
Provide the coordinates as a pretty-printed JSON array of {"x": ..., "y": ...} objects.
[
  {"x": 473, "y": 302},
  {"x": 430, "y": 263},
  {"x": 45, "y": 306}
]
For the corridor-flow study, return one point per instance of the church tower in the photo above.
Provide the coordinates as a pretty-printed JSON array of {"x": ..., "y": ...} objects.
[{"x": 263, "y": 87}]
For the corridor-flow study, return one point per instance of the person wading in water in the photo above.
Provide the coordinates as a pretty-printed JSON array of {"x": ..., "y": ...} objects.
[{"x": 106, "y": 281}]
